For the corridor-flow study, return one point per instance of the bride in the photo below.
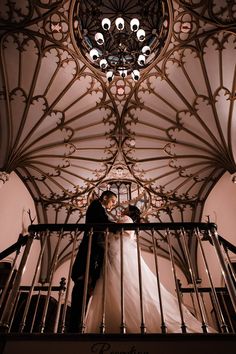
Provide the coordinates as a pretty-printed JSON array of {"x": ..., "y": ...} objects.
[{"x": 132, "y": 313}]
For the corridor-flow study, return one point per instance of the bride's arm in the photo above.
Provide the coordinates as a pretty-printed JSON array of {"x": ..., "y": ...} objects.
[{"x": 125, "y": 219}]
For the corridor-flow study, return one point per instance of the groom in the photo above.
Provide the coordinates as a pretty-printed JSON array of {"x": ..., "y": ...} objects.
[{"x": 96, "y": 213}]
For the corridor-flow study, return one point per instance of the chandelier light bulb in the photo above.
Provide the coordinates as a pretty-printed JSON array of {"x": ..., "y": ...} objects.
[
  {"x": 134, "y": 24},
  {"x": 141, "y": 60},
  {"x": 106, "y": 24},
  {"x": 109, "y": 75},
  {"x": 123, "y": 73},
  {"x": 146, "y": 50},
  {"x": 141, "y": 35},
  {"x": 135, "y": 75},
  {"x": 94, "y": 54},
  {"x": 99, "y": 38},
  {"x": 103, "y": 64},
  {"x": 120, "y": 23}
]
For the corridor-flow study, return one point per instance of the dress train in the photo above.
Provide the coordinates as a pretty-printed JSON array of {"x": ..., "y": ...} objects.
[{"x": 152, "y": 318}]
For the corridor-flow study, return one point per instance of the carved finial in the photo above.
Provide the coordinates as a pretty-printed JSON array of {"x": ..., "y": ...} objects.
[{"x": 30, "y": 217}]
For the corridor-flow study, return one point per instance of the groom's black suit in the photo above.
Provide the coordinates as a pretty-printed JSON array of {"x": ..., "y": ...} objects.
[{"x": 96, "y": 213}]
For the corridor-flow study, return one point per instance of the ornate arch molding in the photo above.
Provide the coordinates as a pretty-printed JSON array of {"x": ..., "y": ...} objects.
[
  {"x": 45, "y": 138},
  {"x": 174, "y": 123},
  {"x": 220, "y": 12}
]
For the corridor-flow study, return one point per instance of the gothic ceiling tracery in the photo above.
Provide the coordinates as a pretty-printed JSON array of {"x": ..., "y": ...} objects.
[{"x": 66, "y": 131}]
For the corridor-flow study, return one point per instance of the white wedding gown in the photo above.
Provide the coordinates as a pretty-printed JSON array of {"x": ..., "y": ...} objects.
[{"x": 152, "y": 318}]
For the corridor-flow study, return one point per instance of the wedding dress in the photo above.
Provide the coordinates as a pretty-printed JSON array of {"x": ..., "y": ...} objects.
[{"x": 152, "y": 318}]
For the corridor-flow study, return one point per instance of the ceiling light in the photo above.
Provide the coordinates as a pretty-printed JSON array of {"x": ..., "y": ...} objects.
[
  {"x": 123, "y": 73},
  {"x": 109, "y": 75},
  {"x": 135, "y": 75},
  {"x": 141, "y": 35},
  {"x": 99, "y": 38},
  {"x": 120, "y": 23},
  {"x": 134, "y": 24},
  {"x": 119, "y": 40},
  {"x": 94, "y": 54},
  {"x": 146, "y": 50},
  {"x": 103, "y": 63},
  {"x": 106, "y": 24},
  {"x": 141, "y": 60}
]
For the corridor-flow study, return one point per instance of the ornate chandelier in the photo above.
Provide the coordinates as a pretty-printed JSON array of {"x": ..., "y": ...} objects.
[{"x": 120, "y": 38}]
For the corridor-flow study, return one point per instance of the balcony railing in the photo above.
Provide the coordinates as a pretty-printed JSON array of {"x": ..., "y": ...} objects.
[{"x": 38, "y": 304}]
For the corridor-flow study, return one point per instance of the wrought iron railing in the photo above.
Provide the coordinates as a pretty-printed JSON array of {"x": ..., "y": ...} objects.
[{"x": 27, "y": 308}]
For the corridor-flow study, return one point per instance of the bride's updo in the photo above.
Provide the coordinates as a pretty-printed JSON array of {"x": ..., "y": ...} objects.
[{"x": 134, "y": 213}]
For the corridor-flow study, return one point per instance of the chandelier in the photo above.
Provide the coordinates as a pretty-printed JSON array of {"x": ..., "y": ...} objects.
[{"x": 120, "y": 38}]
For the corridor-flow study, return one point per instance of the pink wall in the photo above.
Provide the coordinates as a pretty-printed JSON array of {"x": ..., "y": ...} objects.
[
  {"x": 221, "y": 207},
  {"x": 15, "y": 201}
]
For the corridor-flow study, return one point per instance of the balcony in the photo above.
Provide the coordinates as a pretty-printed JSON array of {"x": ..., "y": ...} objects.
[{"x": 35, "y": 309}]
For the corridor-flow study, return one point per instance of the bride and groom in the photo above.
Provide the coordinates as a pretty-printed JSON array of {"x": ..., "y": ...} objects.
[{"x": 151, "y": 317}]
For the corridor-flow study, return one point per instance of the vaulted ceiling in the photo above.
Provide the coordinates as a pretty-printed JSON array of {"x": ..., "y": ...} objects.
[{"x": 67, "y": 132}]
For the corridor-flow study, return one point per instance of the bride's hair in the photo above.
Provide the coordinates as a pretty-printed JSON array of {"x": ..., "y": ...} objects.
[{"x": 134, "y": 213}]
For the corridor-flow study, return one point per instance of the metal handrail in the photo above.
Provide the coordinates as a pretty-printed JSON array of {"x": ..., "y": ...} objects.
[
  {"x": 22, "y": 240},
  {"x": 205, "y": 232},
  {"x": 227, "y": 244},
  {"x": 117, "y": 227}
]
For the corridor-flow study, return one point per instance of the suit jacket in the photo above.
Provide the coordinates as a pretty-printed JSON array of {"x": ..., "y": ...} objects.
[{"x": 96, "y": 213}]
